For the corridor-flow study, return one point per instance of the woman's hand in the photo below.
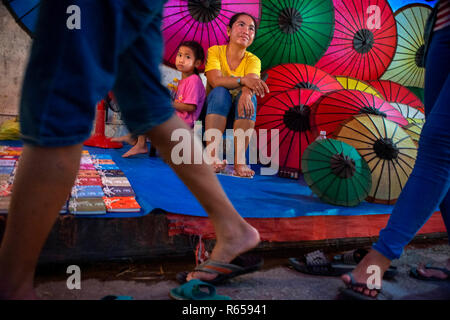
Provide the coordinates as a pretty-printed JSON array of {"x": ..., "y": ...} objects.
[
  {"x": 258, "y": 86},
  {"x": 245, "y": 104}
]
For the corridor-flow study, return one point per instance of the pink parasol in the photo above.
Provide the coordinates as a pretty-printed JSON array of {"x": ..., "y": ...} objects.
[{"x": 204, "y": 21}]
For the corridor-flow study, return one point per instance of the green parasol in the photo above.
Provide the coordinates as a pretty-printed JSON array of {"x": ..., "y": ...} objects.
[
  {"x": 336, "y": 172},
  {"x": 407, "y": 66},
  {"x": 293, "y": 31}
]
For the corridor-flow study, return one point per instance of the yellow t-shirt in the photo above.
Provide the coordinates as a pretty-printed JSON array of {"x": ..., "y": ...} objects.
[{"x": 217, "y": 60}]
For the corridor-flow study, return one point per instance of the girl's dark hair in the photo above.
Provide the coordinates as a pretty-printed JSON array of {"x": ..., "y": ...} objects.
[
  {"x": 237, "y": 15},
  {"x": 199, "y": 53}
]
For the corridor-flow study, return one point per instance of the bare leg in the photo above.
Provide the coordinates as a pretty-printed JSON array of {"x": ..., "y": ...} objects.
[
  {"x": 234, "y": 235},
  {"x": 138, "y": 148},
  {"x": 216, "y": 121},
  {"x": 42, "y": 184},
  {"x": 240, "y": 166}
]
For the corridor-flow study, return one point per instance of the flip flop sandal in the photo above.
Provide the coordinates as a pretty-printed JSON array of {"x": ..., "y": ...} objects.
[
  {"x": 348, "y": 292},
  {"x": 353, "y": 257},
  {"x": 114, "y": 297},
  {"x": 291, "y": 173},
  {"x": 414, "y": 273},
  {"x": 240, "y": 265},
  {"x": 196, "y": 290},
  {"x": 316, "y": 263}
]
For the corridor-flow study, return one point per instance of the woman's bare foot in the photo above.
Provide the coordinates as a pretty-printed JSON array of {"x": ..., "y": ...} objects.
[
  {"x": 219, "y": 165},
  {"x": 362, "y": 272},
  {"x": 227, "y": 249},
  {"x": 128, "y": 139},
  {"x": 242, "y": 170},
  {"x": 433, "y": 273},
  {"x": 136, "y": 149}
]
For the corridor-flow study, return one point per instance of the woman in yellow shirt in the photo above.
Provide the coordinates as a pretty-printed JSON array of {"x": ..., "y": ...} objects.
[{"x": 233, "y": 81}]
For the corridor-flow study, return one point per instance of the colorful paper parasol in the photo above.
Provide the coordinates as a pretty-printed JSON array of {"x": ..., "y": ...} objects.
[
  {"x": 336, "y": 172},
  {"x": 415, "y": 120},
  {"x": 408, "y": 111},
  {"x": 407, "y": 67},
  {"x": 419, "y": 92},
  {"x": 395, "y": 92},
  {"x": 301, "y": 76},
  {"x": 387, "y": 149},
  {"x": 290, "y": 113},
  {"x": 334, "y": 108},
  {"x": 293, "y": 31},
  {"x": 364, "y": 41},
  {"x": 204, "y": 21},
  {"x": 25, "y": 12},
  {"x": 414, "y": 129},
  {"x": 355, "y": 84}
]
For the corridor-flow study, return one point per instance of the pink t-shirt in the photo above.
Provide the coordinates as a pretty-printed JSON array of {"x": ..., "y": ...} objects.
[{"x": 191, "y": 91}]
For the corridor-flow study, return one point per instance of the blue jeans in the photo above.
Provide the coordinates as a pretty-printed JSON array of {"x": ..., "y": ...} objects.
[
  {"x": 220, "y": 102},
  {"x": 119, "y": 47},
  {"x": 428, "y": 186}
]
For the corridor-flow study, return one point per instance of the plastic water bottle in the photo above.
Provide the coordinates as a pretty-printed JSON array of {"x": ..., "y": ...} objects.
[{"x": 322, "y": 136}]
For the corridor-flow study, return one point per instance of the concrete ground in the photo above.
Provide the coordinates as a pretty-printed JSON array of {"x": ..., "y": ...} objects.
[{"x": 276, "y": 281}]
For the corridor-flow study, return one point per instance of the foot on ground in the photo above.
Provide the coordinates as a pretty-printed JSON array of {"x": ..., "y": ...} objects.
[
  {"x": 219, "y": 165},
  {"x": 242, "y": 170},
  {"x": 135, "y": 150},
  {"x": 226, "y": 251},
  {"x": 366, "y": 291}
]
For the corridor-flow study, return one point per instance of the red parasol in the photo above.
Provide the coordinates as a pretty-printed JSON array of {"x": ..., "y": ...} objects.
[
  {"x": 295, "y": 75},
  {"x": 395, "y": 92},
  {"x": 204, "y": 21},
  {"x": 363, "y": 45},
  {"x": 331, "y": 110},
  {"x": 289, "y": 112}
]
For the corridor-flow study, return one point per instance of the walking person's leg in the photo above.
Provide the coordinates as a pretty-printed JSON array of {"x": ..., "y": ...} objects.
[
  {"x": 57, "y": 109},
  {"x": 146, "y": 109},
  {"x": 431, "y": 175}
]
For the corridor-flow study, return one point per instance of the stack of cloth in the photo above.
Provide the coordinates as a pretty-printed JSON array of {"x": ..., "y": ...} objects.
[
  {"x": 101, "y": 187},
  {"x": 9, "y": 157}
]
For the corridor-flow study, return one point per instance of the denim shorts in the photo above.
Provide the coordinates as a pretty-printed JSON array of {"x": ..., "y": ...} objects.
[
  {"x": 221, "y": 102},
  {"x": 118, "y": 47}
]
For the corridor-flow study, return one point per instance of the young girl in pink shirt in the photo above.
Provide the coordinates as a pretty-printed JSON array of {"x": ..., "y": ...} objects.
[{"x": 189, "y": 96}]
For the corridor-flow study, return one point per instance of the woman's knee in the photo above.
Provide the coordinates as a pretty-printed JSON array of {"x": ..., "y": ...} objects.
[{"x": 219, "y": 101}]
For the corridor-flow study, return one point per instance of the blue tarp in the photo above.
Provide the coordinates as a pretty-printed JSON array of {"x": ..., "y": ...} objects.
[{"x": 157, "y": 187}]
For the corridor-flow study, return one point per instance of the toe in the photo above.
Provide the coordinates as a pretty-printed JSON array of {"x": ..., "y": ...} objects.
[{"x": 346, "y": 279}]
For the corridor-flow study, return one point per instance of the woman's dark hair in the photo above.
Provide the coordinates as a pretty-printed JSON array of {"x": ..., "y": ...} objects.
[
  {"x": 197, "y": 49},
  {"x": 237, "y": 15}
]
